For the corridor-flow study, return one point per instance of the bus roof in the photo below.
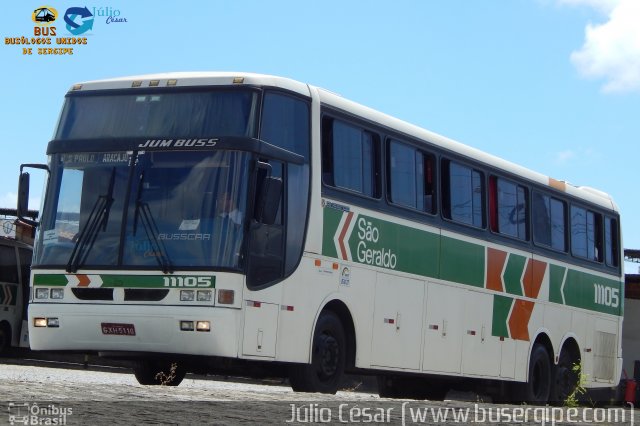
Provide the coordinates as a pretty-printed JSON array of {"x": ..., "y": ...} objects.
[{"x": 187, "y": 79}]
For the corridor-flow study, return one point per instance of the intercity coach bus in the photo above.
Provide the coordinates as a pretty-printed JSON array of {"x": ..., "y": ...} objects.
[{"x": 221, "y": 220}]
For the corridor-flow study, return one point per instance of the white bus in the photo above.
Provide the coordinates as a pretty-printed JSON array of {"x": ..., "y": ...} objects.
[{"x": 219, "y": 221}]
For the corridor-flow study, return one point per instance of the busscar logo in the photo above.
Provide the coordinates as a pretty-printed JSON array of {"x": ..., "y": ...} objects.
[
  {"x": 179, "y": 143},
  {"x": 44, "y": 15}
]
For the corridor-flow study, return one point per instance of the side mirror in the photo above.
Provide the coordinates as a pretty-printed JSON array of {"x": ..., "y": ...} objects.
[
  {"x": 24, "y": 183},
  {"x": 23, "y": 195},
  {"x": 269, "y": 200}
]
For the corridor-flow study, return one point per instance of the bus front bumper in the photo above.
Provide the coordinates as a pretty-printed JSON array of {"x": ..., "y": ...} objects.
[{"x": 135, "y": 328}]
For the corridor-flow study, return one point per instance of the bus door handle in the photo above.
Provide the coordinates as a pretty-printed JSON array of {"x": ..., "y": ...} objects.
[{"x": 397, "y": 321}]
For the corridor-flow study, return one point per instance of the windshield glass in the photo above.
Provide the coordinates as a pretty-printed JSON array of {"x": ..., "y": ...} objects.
[
  {"x": 171, "y": 210},
  {"x": 159, "y": 114}
]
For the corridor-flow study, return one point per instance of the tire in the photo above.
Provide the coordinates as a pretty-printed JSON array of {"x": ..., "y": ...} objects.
[
  {"x": 537, "y": 389},
  {"x": 565, "y": 380},
  {"x": 158, "y": 372},
  {"x": 328, "y": 358}
]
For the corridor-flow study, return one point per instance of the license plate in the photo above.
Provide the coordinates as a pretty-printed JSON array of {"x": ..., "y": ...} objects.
[{"x": 118, "y": 329}]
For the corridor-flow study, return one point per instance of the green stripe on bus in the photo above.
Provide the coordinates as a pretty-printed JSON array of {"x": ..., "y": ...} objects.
[
  {"x": 330, "y": 225},
  {"x": 556, "y": 277},
  {"x": 513, "y": 274},
  {"x": 462, "y": 262},
  {"x": 51, "y": 280},
  {"x": 157, "y": 281},
  {"x": 501, "y": 308},
  {"x": 593, "y": 292}
]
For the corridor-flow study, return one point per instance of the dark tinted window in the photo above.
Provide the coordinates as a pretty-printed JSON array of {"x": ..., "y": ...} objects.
[
  {"x": 350, "y": 157},
  {"x": 162, "y": 114},
  {"x": 549, "y": 221},
  {"x": 509, "y": 208},
  {"x": 285, "y": 123},
  {"x": 585, "y": 234},
  {"x": 611, "y": 242},
  {"x": 411, "y": 182},
  {"x": 464, "y": 194}
]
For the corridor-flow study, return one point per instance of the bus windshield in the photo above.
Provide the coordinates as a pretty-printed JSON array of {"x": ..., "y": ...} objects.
[{"x": 173, "y": 210}]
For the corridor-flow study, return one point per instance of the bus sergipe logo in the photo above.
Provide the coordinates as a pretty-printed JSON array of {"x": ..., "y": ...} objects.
[
  {"x": 44, "y": 15},
  {"x": 79, "y": 20},
  {"x": 370, "y": 248}
]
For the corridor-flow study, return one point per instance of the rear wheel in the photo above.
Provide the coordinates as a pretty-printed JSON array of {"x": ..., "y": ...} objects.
[
  {"x": 565, "y": 379},
  {"x": 328, "y": 358},
  {"x": 538, "y": 388},
  {"x": 158, "y": 372}
]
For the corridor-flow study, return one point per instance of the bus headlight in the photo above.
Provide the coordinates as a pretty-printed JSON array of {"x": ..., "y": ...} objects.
[
  {"x": 39, "y": 322},
  {"x": 42, "y": 293},
  {"x": 204, "y": 295},
  {"x": 57, "y": 293},
  {"x": 187, "y": 295},
  {"x": 203, "y": 326}
]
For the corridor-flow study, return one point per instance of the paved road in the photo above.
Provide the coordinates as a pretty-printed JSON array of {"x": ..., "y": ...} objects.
[{"x": 39, "y": 394}]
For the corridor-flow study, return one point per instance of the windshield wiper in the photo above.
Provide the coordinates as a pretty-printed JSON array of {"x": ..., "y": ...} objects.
[
  {"x": 151, "y": 229},
  {"x": 98, "y": 218}
]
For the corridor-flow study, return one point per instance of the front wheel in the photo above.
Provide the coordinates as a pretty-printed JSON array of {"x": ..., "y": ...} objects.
[
  {"x": 158, "y": 372},
  {"x": 328, "y": 358}
]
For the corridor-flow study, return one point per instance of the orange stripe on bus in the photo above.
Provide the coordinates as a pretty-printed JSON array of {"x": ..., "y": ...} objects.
[
  {"x": 519, "y": 320},
  {"x": 533, "y": 277},
  {"x": 495, "y": 265}
]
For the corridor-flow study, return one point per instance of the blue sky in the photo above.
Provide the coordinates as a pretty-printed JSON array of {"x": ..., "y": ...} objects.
[{"x": 553, "y": 85}]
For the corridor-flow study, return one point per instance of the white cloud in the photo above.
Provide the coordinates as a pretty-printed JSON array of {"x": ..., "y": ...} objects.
[
  {"x": 571, "y": 156},
  {"x": 563, "y": 157},
  {"x": 604, "y": 6},
  {"x": 611, "y": 50}
]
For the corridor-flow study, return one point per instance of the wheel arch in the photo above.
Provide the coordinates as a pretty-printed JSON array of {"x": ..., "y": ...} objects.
[
  {"x": 542, "y": 338},
  {"x": 340, "y": 308},
  {"x": 570, "y": 343}
]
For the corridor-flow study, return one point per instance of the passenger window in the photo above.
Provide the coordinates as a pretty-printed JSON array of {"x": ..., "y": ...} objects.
[
  {"x": 285, "y": 123},
  {"x": 411, "y": 182},
  {"x": 350, "y": 158},
  {"x": 549, "y": 221},
  {"x": 586, "y": 230},
  {"x": 508, "y": 208},
  {"x": 611, "y": 242},
  {"x": 463, "y": 197}
]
